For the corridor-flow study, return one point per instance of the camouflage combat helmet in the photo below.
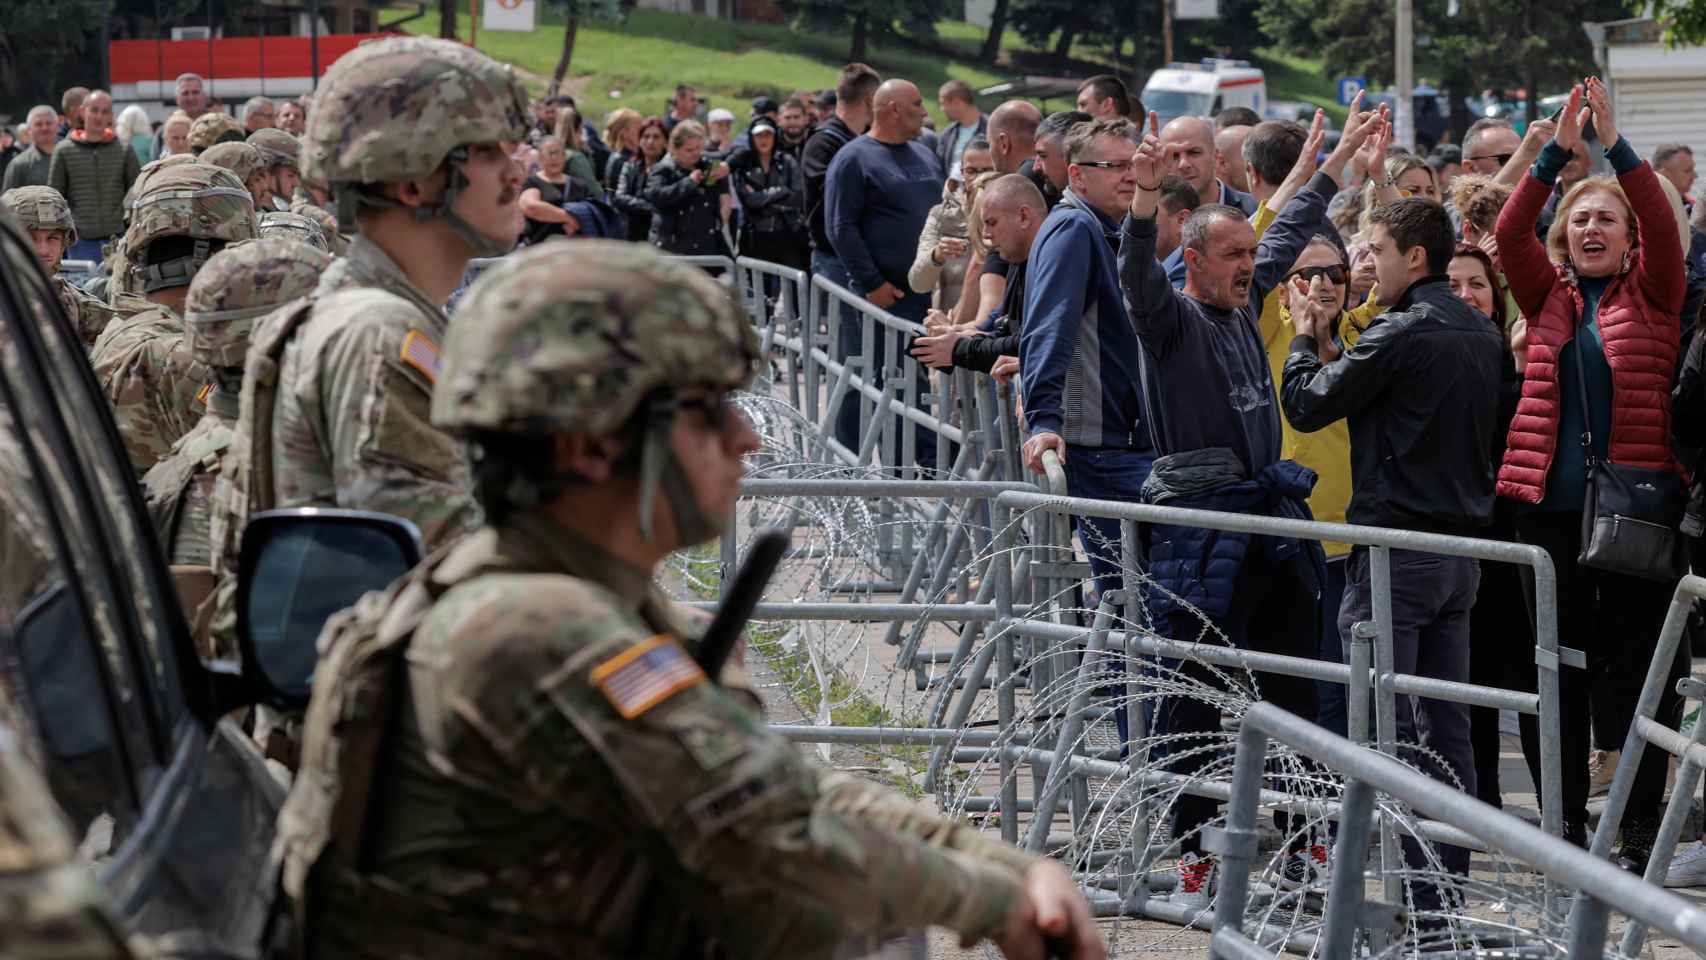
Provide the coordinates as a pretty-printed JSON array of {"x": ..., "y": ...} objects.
[
  {"x": 398, "y": 108},
  {"x": 41, "y": 208},
  {"x": 211, "y": 128},
  {"x": 576, "y": 336},
  {"x": 238, "y": 157},
  {"x": 196, "y": 200},
  {"x": 294, "y": 226},
  {"x": 579, "y": 338},
  {"x": 278, "y": 148},
  {"x": 239, "y": 285}
]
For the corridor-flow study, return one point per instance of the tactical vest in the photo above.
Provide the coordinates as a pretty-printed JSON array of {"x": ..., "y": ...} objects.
[
  {"x": 326, "y": 826},
  {"x": 252, "y": 466},
  {"x": 166, "y": 490}
]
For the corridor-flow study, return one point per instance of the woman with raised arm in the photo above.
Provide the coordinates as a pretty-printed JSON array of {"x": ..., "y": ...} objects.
[{"x": 1602, "y": 298}]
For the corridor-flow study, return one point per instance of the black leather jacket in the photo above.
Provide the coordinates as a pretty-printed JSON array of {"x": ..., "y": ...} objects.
[
  {"x": 1422, "y": 390},
  {"x": 628, "y": 198},
  {"x": 688, "y": 221}
]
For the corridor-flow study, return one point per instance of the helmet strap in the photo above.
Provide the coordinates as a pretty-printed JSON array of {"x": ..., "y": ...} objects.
[
  {"x": 659, "y": 468},
  {"x": 350, "y": 199}
]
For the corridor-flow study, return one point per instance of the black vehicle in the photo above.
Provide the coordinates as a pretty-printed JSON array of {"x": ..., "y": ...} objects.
[{"x": 101, "y": 689}]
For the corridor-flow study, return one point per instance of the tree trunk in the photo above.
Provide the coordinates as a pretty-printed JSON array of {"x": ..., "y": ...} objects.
[
  {"x": 570, "y": 28},
  {"x": 343, "y": 18},
  {"x": 1063, "y": 46},
  {"x": 447, "y": 18},
  {"x": 857, "y": 53},
  {"x": 992, "y": 39}
]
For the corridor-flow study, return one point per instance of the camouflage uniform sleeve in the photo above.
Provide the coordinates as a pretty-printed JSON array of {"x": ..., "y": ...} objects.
[
  {"x": 738, "y": 806},
  {"x": 887, "y": 810},
  {"x": 386, "y": 454},
  {"x": 153, "y": 385}
]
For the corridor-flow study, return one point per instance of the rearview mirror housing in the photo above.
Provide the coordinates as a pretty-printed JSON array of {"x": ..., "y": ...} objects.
[{"x": 298, "y": 567}]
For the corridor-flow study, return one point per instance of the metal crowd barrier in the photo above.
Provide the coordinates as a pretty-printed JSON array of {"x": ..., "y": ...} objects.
[
  {"x": 1603, "y": 886},
  {"x": 1645, "y": 731}
]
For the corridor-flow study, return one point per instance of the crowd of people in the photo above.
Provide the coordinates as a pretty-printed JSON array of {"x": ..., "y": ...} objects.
[{"x": 1225, "y": 313}]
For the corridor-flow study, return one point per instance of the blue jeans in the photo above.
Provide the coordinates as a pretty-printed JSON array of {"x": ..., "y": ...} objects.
[{"x": 1108, "y": 473}]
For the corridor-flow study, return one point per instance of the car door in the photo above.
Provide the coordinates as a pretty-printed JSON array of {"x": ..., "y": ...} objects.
[{"x": 98, "y": 676}]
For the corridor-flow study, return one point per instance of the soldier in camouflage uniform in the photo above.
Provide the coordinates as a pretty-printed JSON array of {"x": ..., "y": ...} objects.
[
  {"x": 211, "y": 128},
  {"x": 121, "y": 290},
  {"x": 410, "y": 134},
  {"x": 183, "y": 215},
  {"x": 305, "y": 201},
  {"x": 294, "y": 226},
  {"x": 47, "y": 217},
  {"x": 244, "y": 161},
  {"x": 238, "y": 286},
  {"x": 279, "y": 152},
  {"x": 561, "y": 779}
]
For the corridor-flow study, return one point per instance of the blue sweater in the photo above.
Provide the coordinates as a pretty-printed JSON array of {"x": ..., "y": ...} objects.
[
  {"x": 1079, "y": 355},
  {"x": 876, "y": 199},
  {"x": 1207, "y": 381}
]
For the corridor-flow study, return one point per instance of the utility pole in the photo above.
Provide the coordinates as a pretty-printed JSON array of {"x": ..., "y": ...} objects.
[
  {"x": 314, "y": 44},
  {"x": 1404, "y": 118},
  {"x": 1166, "y": 33}
]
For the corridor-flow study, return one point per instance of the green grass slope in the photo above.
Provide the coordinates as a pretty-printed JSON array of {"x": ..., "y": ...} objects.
[{"x": 638, "y": 64}]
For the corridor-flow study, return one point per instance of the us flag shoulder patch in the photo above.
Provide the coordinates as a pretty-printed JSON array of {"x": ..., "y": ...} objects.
[
  {"x": 422, "y": 354},
  {"x": 643, "y": 676}
]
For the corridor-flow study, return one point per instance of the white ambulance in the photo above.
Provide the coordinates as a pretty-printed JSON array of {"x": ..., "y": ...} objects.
[{"x": 1204, "y": 89}]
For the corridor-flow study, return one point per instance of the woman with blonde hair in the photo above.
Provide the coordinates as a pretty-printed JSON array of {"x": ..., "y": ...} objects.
[
  {"x": 175, "y": 134},
  {"x": 1602, "y": 298},
  {"x": 573, "y": 137},
  {"x": 134, "y": 130},
  {"x": 622, "y": 133}
]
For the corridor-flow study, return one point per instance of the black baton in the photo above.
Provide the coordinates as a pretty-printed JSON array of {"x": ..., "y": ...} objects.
[{"x": 768, "y": 545}]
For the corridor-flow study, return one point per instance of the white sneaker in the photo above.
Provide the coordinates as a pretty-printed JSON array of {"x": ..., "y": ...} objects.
[
  {"x": 1602, "y": 767},
  {"x": 1688, "y": 867},
  {"x": 1196, "y": 874}
]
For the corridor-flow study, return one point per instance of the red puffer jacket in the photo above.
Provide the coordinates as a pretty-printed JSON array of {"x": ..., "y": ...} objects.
[{"x": 1637, "y": 322}]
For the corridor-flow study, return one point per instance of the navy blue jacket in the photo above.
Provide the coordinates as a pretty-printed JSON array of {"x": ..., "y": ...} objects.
[
  {"x": 1077, "y": 350},
  {"x": 1199, "y": 567},
  {"x": 876, "y": 198}
]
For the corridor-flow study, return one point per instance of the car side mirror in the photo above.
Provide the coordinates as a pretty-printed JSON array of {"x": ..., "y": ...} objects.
[
  {"x": 62, "y": 679},
  {"x": 298, "y": 567}
]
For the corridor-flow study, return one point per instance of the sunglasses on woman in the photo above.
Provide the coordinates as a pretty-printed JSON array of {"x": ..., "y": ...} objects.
[{"x": 1334, "y": 274}]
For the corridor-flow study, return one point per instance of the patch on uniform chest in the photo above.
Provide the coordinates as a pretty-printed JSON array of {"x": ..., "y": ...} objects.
[
  {"x": 641, "y": 677},
  {"x": 712, "y": 747},
  {"x": 422, "y": 354}
]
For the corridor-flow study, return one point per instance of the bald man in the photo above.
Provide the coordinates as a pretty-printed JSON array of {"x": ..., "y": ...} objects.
[
  {"x": 878, "y": 193},
  {"x": 1191, "y": 154},
  {"x": 1012, "y": 134},
  {"x": 1229, "y": 156}
]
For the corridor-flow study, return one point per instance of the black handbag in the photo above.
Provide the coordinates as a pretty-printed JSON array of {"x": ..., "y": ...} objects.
[{"x": 1630, "y": 514}]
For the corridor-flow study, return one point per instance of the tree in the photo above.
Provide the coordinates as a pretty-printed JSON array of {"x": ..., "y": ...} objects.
[
  {"x": 1686, "y": 24},
  {"x": 861, "y": 18},
  {"x": 997, "y": 26},
  {"x": 1531, "y": 44},
  {"x": 447, "y": 18}
]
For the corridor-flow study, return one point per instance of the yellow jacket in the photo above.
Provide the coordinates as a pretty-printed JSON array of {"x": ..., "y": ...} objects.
[{"x": 1326, "y": 451}]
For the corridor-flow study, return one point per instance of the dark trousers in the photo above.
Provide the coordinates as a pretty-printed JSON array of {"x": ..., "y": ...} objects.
[
  {"x": 1501, "y": 654},
  {"x": 1331, "y": 714},
  {"x": 1615, "y": 620},
  {"x": 888, "y": 348},
  {"x": 1431, "y": 599},
  {"x": 1274, "y": 610}
]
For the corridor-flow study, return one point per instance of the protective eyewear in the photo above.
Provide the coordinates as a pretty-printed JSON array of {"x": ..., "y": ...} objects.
[
  {"x": 1502, "y": 158},
  {"x": 1118, "y": 165},
  {"x": 1334, "y": 274}
]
